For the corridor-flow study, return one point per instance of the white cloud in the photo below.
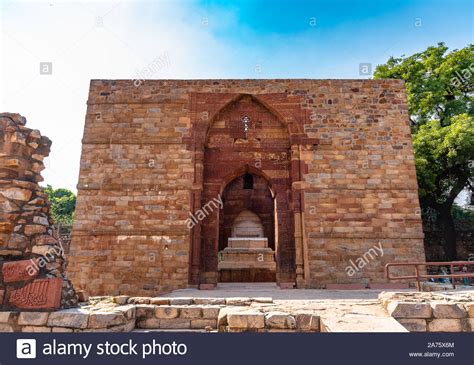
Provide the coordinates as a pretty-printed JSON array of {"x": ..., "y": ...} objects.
[{"x": 98, "y": 41}]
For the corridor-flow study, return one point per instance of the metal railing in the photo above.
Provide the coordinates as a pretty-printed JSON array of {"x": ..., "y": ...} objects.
[{"x": 418, "y": 276}]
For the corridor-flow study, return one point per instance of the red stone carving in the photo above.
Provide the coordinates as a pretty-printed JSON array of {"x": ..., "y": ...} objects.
[
  {"x": 40, "y": 294},
  {"x": 19, "y": 270}
]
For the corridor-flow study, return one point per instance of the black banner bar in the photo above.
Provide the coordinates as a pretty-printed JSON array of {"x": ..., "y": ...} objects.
[{"x": 237, "y": 348}]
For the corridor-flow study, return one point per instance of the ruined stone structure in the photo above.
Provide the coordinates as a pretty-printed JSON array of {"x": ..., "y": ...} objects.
[
  {"x": 32, "y": 261},
  {"x": 168, "y": 166}
]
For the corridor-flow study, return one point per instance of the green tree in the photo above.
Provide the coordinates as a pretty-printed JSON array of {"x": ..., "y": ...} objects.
[
  {"x": 63, "y": 203},
  {"x": 440, "y": 87}
]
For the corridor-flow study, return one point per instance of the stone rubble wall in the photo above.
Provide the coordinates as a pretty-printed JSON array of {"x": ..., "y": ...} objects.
[
  {"x": 415, "y": 312},
  {"x": 129, "y": 313},
  {"x": 427, "y": 312},
  {"x": 32, "y": 261}
]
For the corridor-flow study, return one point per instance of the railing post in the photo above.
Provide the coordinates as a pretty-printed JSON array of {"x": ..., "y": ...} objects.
[
  {"x": 453, "y": 279},
  {"x": 417, "y": 271}
]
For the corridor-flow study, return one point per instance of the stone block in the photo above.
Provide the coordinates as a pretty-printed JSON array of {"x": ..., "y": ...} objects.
[
  {"x": 176, "y": 323},
  {"x": 279, "y": 320},
  {"x": 467, "y": 324},
  {"x": 148, "y": 323},
  {"x": 35, "y": 329},
  {"x": 19, "y": 270},
  {"x": 448, "y": 310},
  {"x": 211, "y": 301},
  {"x": 181, "y": 301},
  {"x": 445, "y": 325},
  {"x": 203, "y": 323},
  {"x": 361, "y": 323},
  {"x": 399, "y": 309},
  {"x": 138, "y": 300},
  {"x": 469, "y": 309},
  {"x": 44, "y": 250},
  {"x": 62, "y": 330},
  {"x": 413, "y": 324},
  {"x": 190, "y": 312},
  {"x": 32, "y": 229},
  {"x": 71, "y": 318},
  {"x": 41, "y": 220},
  {"x": 127, "y": 327},
  {"x": 17, "y": 194},
  {"x": 210, "y": 311},
  {"x": 39, "y": 294},
  {"x": 238, "y": 301},
  {"x": 6, "y": 327},
  {"x": 145, "y": 310},
  {"x": 33, "y": 318},
  {"x": 18, "y": 241},
  {"x": 129, "y": 311},
  {"x": 121, "y": 299},
  {"x": 5, "y": 317},
  {"x": 166, "y": 312},
  {"x": 44, "y": 239},
  {"x": 160, "y": 301},
  {"x": 246, "y": 320},
  {"x": 307, "y": 321},
  {"x": 222, "y": 317},
  {"x": 106, "y": 319}
]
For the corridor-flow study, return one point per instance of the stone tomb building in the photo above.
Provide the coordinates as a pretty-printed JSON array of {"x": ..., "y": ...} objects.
[{"x": 194, "y": 182}]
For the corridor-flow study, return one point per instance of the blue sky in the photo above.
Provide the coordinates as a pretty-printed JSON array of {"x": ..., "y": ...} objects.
[{"x": 200, "y": 39}]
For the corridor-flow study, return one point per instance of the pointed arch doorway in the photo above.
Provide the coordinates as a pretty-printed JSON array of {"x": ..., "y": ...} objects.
[
  {"x": 244, "y": 136},
  {"x": 248, "y": 235}
]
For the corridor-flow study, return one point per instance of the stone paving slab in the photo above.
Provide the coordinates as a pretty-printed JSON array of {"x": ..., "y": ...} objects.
[{"x": 358, "y": 323}]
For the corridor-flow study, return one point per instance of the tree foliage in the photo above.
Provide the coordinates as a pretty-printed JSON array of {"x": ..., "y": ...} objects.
[
  {"x": 63, "y": 203},
  {"x": 439, "y": 85},
  {"x": 444, "y": 158}
]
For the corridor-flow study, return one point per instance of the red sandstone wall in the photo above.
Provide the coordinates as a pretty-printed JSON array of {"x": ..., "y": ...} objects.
[{"x": 352, "y": 170}]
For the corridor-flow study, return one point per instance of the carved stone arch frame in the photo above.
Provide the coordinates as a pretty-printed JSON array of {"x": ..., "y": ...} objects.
[{"x": 204, "y": 108}]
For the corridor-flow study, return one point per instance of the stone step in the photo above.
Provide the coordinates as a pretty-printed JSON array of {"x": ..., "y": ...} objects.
[
  {"x": 142, "y": 330},
  {"x": 249, "y": 286},
  {"x": 361, "y": 323}
]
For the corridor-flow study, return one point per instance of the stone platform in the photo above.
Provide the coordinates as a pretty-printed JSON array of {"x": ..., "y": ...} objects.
[
  {"x": 247, "y": 259},
  {"x": 293, "y": 311}
]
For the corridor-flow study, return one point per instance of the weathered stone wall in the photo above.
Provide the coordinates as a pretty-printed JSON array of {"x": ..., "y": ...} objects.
[
  {"x": 125, "y": 314},
  {"x": 32, "y": 260},
  {"x": 428, "y": 312},
  {"x": 347, "y": 184}
]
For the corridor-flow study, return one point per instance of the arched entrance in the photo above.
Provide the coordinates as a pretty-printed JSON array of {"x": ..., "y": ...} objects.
[
  {"x": 245, "y": 140},
  {"x": 247, "y": 231}
]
